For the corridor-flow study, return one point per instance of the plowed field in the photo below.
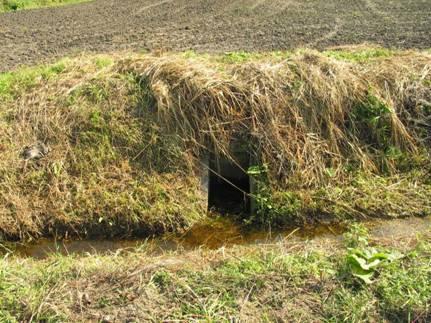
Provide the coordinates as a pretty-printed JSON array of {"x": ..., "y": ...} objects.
[{"x": 33, "y": 36}]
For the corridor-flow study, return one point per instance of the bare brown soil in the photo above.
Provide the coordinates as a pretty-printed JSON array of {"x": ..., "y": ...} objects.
[{"x": 32, "y": 36}]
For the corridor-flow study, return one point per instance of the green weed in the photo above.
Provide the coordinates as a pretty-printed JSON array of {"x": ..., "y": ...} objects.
[
  {"x": 238, "y": 57},
  {"x": 360, "y": 55},
  {"x": 13, "y": 5},
  {"x": 372, "y": 119},
  {"x": 103, "y": 62}
]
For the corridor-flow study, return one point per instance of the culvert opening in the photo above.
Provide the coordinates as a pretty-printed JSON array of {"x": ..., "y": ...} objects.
[{"x": 229, "y": 185}]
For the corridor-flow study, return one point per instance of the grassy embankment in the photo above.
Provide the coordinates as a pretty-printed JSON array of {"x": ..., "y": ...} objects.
[
  {"x": 13, "y": 5},
  {"x": 274, "y": 283},
  {"x": 339, "y": 134}
]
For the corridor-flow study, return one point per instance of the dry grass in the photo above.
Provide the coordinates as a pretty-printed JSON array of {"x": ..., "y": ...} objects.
[
  {"x": 126, "y": 134},
  {"x": 110, "y": 170},
  {"x": 304, "y": 114}
]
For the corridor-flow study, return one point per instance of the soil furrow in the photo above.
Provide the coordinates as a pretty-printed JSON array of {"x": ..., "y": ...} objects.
[{"x": 34, "y": 36}]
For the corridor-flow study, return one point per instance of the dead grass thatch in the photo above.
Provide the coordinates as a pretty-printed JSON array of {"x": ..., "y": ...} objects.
[
  {"x": 302, "y": 115},
  {"x": 126, "y": 134}
]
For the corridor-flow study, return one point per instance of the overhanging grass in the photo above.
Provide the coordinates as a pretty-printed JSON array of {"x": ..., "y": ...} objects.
[
  {"x": 13, "y": 5},
  {"x": 342, "y": 139}
]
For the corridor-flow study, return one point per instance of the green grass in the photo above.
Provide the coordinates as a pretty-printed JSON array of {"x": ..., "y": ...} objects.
[
  {"x": 360, "y": 55},
  {"x": 244, "y": 283},
  {"x": 13, "y": 5},
  {"x": 12, "y": 83},
  {"x": 354, "y": 55}
]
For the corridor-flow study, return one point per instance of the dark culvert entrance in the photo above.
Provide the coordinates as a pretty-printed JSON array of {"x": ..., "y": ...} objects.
[{"x": 229, "y": 185}]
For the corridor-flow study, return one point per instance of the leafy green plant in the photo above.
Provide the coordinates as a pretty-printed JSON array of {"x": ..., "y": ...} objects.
[
  {"x": 373, "y": 114},
  {"x": 364, "y": 264},
  {"x": 257, "y": 170},
  {"x": 363, "y": 261},
  {"x": 262, "y": 196}
]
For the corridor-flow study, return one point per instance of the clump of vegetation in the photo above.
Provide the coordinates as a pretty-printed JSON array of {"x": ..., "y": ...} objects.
[
  {"x": 111, "y": 169},
  {"x": 272, "y": 283},
  {"x": 13, "y": 5},
  {"x": 362, "y": 196},
  {"x": 362, "y": 260},
  {"x": 337, "y": 139}
]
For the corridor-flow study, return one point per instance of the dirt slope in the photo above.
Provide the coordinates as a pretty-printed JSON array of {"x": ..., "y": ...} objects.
[{"x": 207, "y": 25}]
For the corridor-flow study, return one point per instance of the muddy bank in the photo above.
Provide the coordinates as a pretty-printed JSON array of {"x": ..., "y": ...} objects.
[
  {"x": 39, "y": 35},
  {"x": 218, "y": 233}
]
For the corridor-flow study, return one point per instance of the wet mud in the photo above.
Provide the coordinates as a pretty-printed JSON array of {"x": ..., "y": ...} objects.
[{"x": 218, "y": 233}]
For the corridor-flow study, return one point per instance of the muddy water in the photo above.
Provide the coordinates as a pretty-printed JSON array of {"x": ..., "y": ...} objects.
[{"x": 222, "y": 233}]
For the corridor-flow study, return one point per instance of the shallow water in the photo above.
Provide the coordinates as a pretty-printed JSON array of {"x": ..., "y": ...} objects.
[{"x": 219, "y": 233}]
